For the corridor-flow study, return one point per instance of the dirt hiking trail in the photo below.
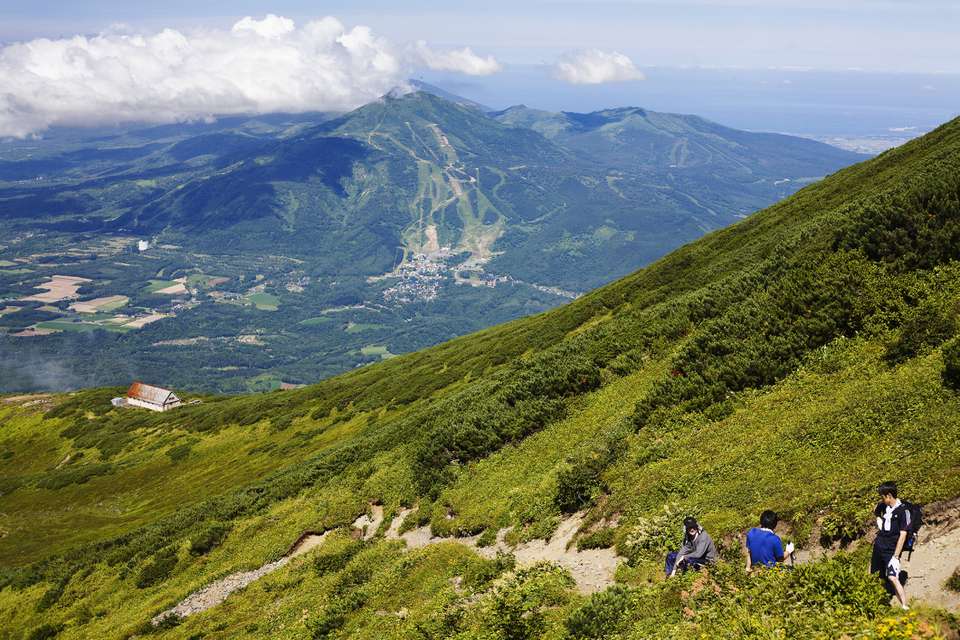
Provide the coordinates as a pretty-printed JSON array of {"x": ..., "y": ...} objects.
[
  {"x": 935, "y": 559},
  {"x": 216, "y": 592},
  {"x": 592, "y": 569}
]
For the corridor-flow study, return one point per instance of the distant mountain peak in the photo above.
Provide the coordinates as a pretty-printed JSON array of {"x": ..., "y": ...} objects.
[{"x": 425, "y": 87}]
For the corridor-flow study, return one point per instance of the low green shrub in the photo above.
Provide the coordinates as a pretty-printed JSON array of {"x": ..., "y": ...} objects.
[
  {"x": 604, "y": 615},
  {"x": 45, "y": 632},
  {"x": 516, "y": 608},
  {"x": 477, "y": 576},
  {"x": 353, "y": 576},
  {"x": 953, "y": 582},
  {"x": 52, "y": 595},
  {"x": 579, "y": 480},
  {"x": 840, "y": 585},
  {"x": 805, "y": 304},
  {"x": 951, "y": 364},
  {"x": 929, "y": 326},
  {"x": 157, "y": 569},
  {"x": 333, "y": 615},
  {"x": 842, "y": 523},
  {"x": 332, "y": 561},
  {"x": 179, "y": 452},
  {"x": 599, "y": 539},
  {"x": 654, "y": 536},
  {"x": 61, "y": 478},
  {"x": 443, "y": 621},
  {"x": 165, "y": 623},
  {"x": 487, "y": 538},
  {"x": 208, "y": 538}
]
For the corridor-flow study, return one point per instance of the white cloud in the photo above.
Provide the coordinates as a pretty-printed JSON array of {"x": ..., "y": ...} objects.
[
  {"x": 258, "y": 66},
  {"x": 593, "y": 66},
  {"x": 459, "y": 60},
  {"x": 270, "y": 27}
]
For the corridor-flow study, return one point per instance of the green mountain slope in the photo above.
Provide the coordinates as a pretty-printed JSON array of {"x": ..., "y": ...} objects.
[{"x": 791, "y": 361}]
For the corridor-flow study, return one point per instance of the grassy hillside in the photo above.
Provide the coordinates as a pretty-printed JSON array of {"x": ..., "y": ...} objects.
[{"x": 791, "y": 361}]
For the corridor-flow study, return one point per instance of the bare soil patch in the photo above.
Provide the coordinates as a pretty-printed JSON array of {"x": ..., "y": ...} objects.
[
  {"x": 32, "y": 332},
  {"x": 58, "y": 288},
  {"x": 173, "y": 289},
  {"x": 144, "y": 321}
]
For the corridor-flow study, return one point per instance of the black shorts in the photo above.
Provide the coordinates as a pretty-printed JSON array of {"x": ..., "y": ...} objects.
[{"x": 881, "y": 559}]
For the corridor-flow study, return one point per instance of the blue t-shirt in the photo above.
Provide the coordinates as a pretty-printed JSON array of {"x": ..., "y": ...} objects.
[{"x": 764, "y": 547}]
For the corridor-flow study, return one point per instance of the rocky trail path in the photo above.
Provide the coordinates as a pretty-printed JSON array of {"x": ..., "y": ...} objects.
[
  {"x": 592, "y": 569},
  {"x": 216, "y": 592},
  {"x": 933, "y": 562},
  {"x": 935, "y": 559}
]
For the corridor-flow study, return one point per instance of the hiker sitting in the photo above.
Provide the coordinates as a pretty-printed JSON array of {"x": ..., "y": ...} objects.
[
  {"x": 893, "y": 526},
  {"x": 764, "y": 547},
  {"x": 697, "y": 550}
]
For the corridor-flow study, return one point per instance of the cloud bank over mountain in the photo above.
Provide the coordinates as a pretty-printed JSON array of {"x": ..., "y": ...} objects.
[
  {"x": 258, "y": 66},
  {"x": 593, "y": 66}
]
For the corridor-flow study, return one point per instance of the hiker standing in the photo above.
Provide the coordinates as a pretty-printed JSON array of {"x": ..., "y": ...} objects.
[
  {"x": 764, "y": 547},
  {"x": 697, "y": 550},
  {"x": 893, "y": 527}
]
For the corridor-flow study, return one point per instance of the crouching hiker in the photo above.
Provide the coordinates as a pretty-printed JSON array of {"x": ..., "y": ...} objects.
[
  {"x": 893, "y": 526},
  {"x": 697, "y": 550},
  {"x": 764, "y": 547}
]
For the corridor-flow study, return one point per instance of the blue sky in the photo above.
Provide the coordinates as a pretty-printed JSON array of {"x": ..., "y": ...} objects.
[
  {"x": 902, "y": 35},
  {"x": 816, "y": 67}
]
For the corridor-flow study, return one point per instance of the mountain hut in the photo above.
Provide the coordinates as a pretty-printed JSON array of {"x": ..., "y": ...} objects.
[{"x": 153, "y": 398}]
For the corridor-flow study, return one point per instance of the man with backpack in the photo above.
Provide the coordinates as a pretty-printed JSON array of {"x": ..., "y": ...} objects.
[
  {"x": 764, "y": 547},
  {"x": 698, "y": 549},
  {"x": 895, "y": 524}
]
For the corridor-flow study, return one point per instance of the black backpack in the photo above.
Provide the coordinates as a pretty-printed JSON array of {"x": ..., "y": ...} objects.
[{"x": 915, "y": 512}]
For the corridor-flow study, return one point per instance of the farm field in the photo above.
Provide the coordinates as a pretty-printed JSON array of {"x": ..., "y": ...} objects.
[
  {"x": 376, "y": 350},
  {"x": 77, "y": 325},
  {"x": 264, "y": 301},
  {"x": 100, "y": 305}
]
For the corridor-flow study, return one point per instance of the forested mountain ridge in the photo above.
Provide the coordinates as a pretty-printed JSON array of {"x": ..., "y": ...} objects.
[
  {"x": 635, "y": 137},
  {"x": 791, "y": 361}
]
